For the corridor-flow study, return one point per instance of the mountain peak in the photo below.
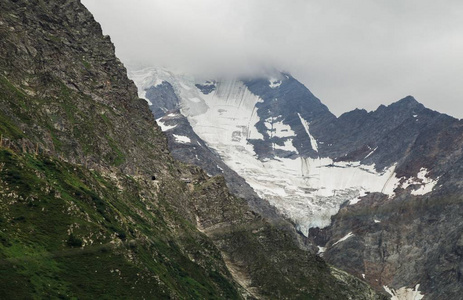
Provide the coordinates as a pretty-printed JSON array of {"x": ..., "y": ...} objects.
[{"x": 407, "y": 102}]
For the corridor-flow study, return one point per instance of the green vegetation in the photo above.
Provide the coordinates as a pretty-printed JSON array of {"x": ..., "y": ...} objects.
[
  {"x": 116, "y": 157},
  {"x": 69, "y": 233},
  {"x": 86, "y": 64}
]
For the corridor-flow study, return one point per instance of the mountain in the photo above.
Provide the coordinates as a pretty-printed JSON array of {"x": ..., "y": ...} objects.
[
  {"x": 377, "y": 192},
  {"x": 93, "y": 205}
]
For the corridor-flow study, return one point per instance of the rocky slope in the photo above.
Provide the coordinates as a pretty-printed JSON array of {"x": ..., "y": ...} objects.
[
  {"x": 378, "y": 192},
  {"x": 93, "y": 204}
]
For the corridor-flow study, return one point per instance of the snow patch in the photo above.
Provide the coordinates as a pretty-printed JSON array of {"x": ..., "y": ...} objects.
[
  {"x": 182, "y": 139},
  {"x": 274, "y": 83},
  {"x": 354, "y": 201},
  {"x": 321, "y": 250},
  {"x": 404, "y": 293},
  {"x": 165, "y": 127},
  {"x": 424, "y": 183},
  {"x": 428, "y": 184},
  {"x": 377, "y": 221}
]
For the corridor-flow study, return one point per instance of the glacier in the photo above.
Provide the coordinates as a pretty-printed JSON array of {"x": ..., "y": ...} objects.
[{"x": 307, "y": 190}]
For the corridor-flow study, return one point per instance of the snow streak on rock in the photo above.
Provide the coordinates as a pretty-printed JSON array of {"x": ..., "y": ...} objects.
[
  {"x": 350, "y": 234},
  {"x": 313, "y": 141}
]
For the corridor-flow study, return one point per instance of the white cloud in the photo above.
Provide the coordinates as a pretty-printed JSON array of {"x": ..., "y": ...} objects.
[{"x": 351, "y": 54}]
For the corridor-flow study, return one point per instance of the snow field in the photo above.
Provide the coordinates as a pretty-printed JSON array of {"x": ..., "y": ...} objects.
[{"x": 307, "y": 190}]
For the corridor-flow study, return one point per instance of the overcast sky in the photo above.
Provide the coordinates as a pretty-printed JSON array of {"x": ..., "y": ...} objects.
[{"x": 350, "y": 54}]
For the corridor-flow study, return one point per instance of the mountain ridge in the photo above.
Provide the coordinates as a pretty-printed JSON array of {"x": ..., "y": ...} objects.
[{"x": 344, "y": 181}]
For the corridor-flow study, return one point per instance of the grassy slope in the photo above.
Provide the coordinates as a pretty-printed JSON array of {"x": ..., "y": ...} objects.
[{"x": 70, "y": 232}]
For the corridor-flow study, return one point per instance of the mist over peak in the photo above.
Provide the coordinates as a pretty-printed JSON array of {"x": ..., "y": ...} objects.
[{"x": 352, "y": 55}]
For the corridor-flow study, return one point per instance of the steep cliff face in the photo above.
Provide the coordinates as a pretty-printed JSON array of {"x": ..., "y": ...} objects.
[{"x": 92, "y": 203}]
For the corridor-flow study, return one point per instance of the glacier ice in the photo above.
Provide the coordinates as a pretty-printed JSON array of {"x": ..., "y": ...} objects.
[{"x": 307, "y": 190}]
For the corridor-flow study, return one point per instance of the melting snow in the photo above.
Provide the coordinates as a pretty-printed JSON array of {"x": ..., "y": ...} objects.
[
  {"x": 313, "y": 141},
  {"x": 182, "y": 139},
  {"x": 425, "y": 184},
  {"x": 404, "y": 293},
  {"x": 165, "y": 127},
  {"x": 344, "y": 238}
]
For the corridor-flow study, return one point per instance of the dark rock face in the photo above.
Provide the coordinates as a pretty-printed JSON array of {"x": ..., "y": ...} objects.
[
  {"x": 405, "y": 240},
  {"x": 416, "y": 238},
  {"x": 92, "y": 203},
  {"x": 166, "y": 99},
  {"x": 391, "y": 130},
  {"x": 207, "y": 88},
  {"x": 282, "y": 104}
]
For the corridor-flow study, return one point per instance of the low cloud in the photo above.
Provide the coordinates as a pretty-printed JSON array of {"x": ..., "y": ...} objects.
[{"x": 349, "y": 53}]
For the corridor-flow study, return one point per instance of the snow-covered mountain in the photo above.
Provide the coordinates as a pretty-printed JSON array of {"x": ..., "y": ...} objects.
[
  {"x": 270, "y": 131},
  {"x": 379, "y": 193}
]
